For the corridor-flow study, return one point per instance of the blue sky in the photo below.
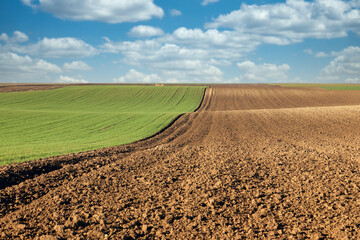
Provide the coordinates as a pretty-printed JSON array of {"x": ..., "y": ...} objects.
[{"x": 174, "y": 41}]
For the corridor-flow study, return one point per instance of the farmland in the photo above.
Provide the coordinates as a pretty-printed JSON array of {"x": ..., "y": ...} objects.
[
  {"x": 334, "y": 86},
  {"x": 254, "y": 162},
  {"x": 40, "y": 124}
]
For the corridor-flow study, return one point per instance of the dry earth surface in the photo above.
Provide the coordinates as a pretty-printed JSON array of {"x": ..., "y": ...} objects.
[
  {"x": 28, "y": 87},
  {"x": 252, "y": 162}
]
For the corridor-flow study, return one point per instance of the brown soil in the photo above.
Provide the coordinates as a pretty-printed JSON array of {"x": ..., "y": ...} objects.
[
  {"x": 252, "y": 162},
  {"x": 29, "y": 87}
]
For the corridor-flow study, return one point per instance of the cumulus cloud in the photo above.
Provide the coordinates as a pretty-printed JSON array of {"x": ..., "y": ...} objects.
[
  {"x": 181, "y": 71},
  {"x": 208, "y": 74},
  {"x": 345, "y": 66},
  {"x": 4, "y": 37},
  {"x": 188, "y": 70},
  {"x": 17, "y": 37},
  {"x": 182, "y": 44},
  {"x": 174, "y": 61},
  {"x": 134, "y": 76},
  {"x": 212, "y": 36},
  {"x": 316, "y": 54},
  {"x": 66, "y": 47},
  {"x": 173, "y": 54},
  {"x": 352, "y": 80},
  {"x": 321, "y": 55},
  {"x": 229, "y": 38},
  {"x": 189, "y": 54},
  {"x": 263, "y": 72},
  {"x": 14, "y": 67},
  {"x": 67, "y": 79},
  {"x": 308, "y": 51},
  {"x": 145, "y": 31},
  {"x": 175, "y": 12},
  {"x": 292, "y": 21},
  {"x": 206, "y": 2},
  {"x": 116, "y": 11},
  {"x": 76, "y": 66},
  {"x": 57, "y": 48}
]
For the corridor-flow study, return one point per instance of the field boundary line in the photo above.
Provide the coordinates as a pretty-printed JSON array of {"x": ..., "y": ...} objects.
[{"x": 174, "y": 120}]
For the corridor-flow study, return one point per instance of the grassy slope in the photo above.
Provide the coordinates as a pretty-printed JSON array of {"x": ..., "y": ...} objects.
[
  {"x": 72, "y": 119},
  {"x": 330, "y": 86}
]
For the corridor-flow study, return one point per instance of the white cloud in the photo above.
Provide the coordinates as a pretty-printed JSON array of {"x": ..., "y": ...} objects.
[
  {"x": 67, "y": 79},
  {"x": 208, "y": 74},
  {"x": 308, "y": 51},
  {"x": 58, "y": 48},
  {"x": 345, "y": 66},
  {"x": 263, "y": 73},
  {"x": 14, "y": 67},
  {"x": 66, "y": 47},
  {"x": 17, "y": 37},
  {"x": 187, "y": 70},
  {"x": 195, "y": 72},
  {"x": 229, "y": 38},
  {"x": 220, "y": 62},
  {"x": 115, "y": 11},
  {"x": 211, "y": 36},
  {"x": 192, "y": 44},
  {"x": 46, "y": 66},
  {"x": 316, "y": 54},
  {"x": 186, "y": 64},
  {"x": 4, "y": 37},
  {"x": 206, "y": 2},
  {"x": 145, "y": 31},
  {"x": 355, "y": 3},
  {"x": 321, "y": 55},
  {"x": 184, "y": 53},
  {"x": 14, "y": 61},
  {"x": 293, "y": 21},
  {"x": 134, "y": 76},
  {"x": 20, "y": 37},
  {"x": 175, "y": 12},
  {"x": 76, "y": 66},
  {"x": 353, "y": 80}
]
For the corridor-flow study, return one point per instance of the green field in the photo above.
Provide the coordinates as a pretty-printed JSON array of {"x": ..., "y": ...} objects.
[
  {"x": 329, "y": 86},
  {"x": 46, "y": 123}
]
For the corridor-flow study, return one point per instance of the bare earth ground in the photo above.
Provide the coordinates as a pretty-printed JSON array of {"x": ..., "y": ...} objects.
[
  {"x": 28, "y": 87},
  {"x": 253, "y": 162}
]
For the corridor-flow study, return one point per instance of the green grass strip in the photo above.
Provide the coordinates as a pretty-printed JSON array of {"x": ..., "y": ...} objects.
[{"x": 46, "y": 123}]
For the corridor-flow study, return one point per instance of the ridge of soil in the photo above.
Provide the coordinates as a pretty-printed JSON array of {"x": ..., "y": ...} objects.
[{"x": 252, "y": 162}]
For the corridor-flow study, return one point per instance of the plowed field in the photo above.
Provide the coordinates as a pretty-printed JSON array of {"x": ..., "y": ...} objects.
[{"x": 252, "y": 162}]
